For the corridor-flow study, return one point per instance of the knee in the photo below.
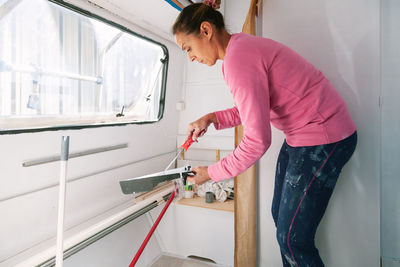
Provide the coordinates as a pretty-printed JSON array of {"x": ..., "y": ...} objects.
[
  {"x": 291, "y": 240},
  {"x": 297, "y": 248},
  {"x": 281, "y": 237},
  {"x": 284, "y": 244}
]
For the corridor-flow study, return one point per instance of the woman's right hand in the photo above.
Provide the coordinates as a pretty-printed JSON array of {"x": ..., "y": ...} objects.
[{"x": 199, "y": 127}]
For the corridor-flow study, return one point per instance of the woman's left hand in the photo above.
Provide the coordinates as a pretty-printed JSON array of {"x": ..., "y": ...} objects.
[{"x": 200, "y": 175}]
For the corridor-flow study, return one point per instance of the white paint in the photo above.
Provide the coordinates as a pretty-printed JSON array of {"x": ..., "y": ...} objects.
[{"x": 390, "y": 184}]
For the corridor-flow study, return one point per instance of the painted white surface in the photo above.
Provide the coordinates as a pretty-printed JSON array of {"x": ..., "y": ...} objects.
[
  {"x": 31, "y": 212},
  {"x": 341, "y": 38},
  {"x": 118, "y": 248},
  {"x": 201, "y": 232},
  {"x": 390, "y": 197},
  {"x": 235, "y": 14},
  {"x": 80, "y": 233},
  {"x": 205, "y": 91}
]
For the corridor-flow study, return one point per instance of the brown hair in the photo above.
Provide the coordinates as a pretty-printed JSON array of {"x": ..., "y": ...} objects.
[{"x": 191, "y": 17}]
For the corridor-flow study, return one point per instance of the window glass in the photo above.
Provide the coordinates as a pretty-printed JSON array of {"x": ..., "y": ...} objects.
[{"x": 61, "y": 68}]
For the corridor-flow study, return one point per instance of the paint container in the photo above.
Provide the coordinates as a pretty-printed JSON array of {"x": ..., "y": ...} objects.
[
  {"x": 189, "y": 193},
  {"x": 210, "y": 197}
]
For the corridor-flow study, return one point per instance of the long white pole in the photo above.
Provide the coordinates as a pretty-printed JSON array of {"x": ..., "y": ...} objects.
[{"x": 61, "y": 200}]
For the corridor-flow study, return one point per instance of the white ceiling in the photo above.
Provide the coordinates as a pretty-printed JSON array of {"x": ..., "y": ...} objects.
[{"x": 155, "y": 13}]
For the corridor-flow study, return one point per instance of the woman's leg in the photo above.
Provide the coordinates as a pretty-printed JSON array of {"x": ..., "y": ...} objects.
[
  {"x": 309, "y": 181},
  {"x": 280, "y": 172}
]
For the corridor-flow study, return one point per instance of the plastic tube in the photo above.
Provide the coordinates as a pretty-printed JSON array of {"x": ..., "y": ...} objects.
[{"x": 61, "y": 200}]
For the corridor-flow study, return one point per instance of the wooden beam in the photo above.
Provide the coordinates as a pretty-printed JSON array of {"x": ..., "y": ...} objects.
[{"x": 246, "y": 185}]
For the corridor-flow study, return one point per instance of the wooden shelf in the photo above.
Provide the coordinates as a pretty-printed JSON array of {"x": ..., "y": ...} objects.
[{"x": 197, "y": 201}]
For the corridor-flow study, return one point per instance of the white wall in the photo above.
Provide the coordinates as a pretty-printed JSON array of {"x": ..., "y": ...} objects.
[
  {"x": 28, "y": 195},
  {"x": 341, "y": 38},
  {"x": 390, "y": 197},
  {"x": 118, "y": 248},
  {"x": 194, "y": 231}
]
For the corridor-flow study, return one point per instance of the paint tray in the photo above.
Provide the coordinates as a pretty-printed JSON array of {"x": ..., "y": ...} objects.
[{"x": 148, "y": 182}]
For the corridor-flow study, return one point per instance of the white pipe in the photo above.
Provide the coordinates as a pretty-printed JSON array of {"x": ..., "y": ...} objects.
[{"x": 61, "y": 200}]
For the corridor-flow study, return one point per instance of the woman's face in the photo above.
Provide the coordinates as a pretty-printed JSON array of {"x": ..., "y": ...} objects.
[{"x": 198, "y": 47}]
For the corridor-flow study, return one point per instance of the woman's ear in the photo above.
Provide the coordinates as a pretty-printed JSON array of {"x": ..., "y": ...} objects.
[{"x": 206, "y": 29}]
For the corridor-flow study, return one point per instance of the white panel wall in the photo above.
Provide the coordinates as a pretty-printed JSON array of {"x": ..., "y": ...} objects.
[
  {"x": 204, "y": 91},
  {"x": 118, "y": 248},
  {"x": 28, "y": 195},
  {"x": 193, "y": 231},
  {"x": 390, "y": 197},
  {"x": 341, "y": 38}
]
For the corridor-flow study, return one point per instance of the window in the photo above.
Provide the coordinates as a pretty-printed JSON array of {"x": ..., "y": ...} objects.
[{"x": 62, "y": 69}]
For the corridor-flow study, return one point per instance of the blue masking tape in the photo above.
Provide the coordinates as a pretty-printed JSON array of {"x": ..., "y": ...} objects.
[{"x": 172, "y": 3}]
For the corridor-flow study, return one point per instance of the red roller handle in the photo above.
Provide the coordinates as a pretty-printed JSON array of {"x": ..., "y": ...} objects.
[{"x": 146, "y": 240}]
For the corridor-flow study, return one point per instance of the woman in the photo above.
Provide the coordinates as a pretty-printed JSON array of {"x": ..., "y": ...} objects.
[{"x": 271, "y": 84}]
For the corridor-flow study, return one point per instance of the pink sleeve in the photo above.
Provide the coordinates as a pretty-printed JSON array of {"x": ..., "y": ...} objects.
[
  {"x": 227, "y": 118},
  {"x": 251, "y": 94}
]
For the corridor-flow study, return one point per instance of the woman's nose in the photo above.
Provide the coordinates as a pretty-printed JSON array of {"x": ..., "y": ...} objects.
[{"x": 191, "y": 57}]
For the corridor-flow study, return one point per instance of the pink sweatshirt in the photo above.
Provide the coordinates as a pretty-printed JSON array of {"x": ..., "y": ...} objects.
[{"x": 272, "y": 84}]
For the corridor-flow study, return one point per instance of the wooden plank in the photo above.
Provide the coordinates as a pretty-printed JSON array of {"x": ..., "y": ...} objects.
[
  {"x": 200, "y": 202},
  {"x": 246, "y": 185}
]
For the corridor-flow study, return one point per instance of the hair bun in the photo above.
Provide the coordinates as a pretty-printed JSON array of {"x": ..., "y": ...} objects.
[{"x": 215, "y": 4}]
